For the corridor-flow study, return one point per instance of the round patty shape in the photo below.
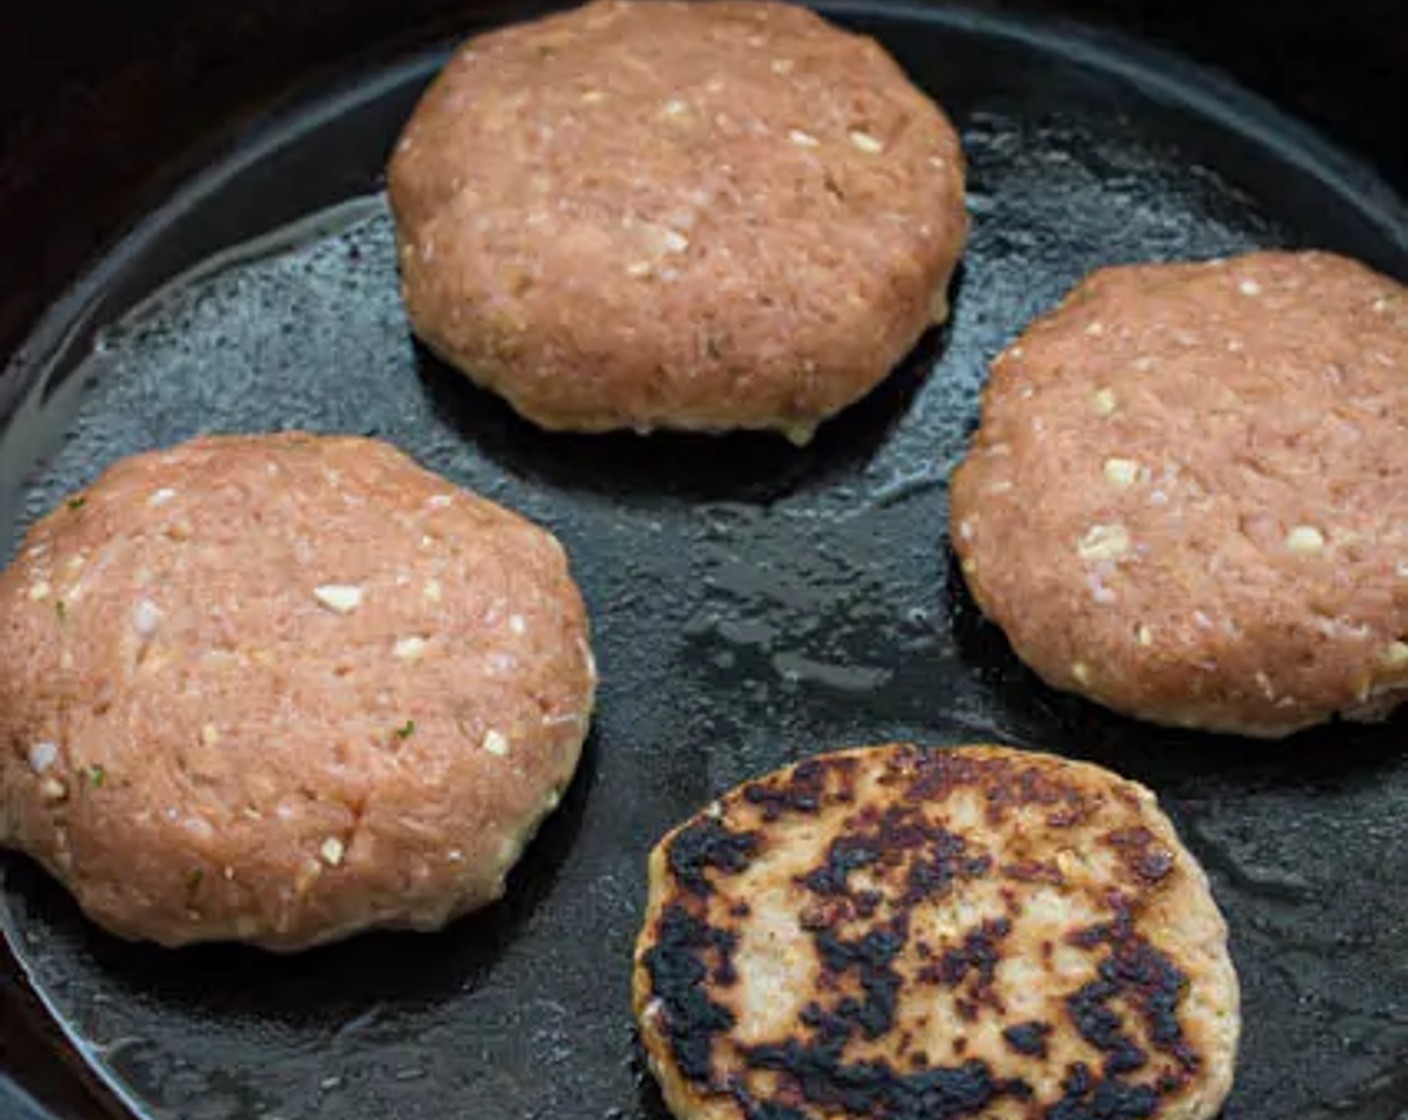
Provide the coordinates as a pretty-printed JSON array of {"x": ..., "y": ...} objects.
[
  {"x": 685, "y": 215},
  {"x": 907, "y": 933},
  {"x": 283, "y": 688},
  {"x": 1188, "y": 499}
]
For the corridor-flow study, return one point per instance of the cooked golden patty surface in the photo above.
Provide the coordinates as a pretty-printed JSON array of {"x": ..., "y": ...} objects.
[
  {"x": 681, "y": 215},
  {"x": 283, "y": 688},
  {"x": 922, "y": 934}
]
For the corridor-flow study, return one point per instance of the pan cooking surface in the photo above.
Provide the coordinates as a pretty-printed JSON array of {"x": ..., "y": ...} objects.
[{"x": 753, "y": 603}]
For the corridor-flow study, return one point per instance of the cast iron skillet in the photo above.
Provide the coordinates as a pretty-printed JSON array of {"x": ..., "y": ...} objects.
[{"x": 753, "y": 603}]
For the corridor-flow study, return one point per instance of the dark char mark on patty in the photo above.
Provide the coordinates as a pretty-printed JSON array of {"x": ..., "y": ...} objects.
[
  {"x": 709, "y": 843},
  {"x": 1084, "y": 1097},
  {"x": 689, "y": 953},
  {"x": 805, "y": 789},
  {"x": 1139, "y": 975},
  {"x": 678, "y": 966},
  {"x": 1028, "y": 1038}
]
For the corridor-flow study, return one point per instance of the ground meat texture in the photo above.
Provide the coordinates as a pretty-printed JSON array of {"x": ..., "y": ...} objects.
[
  {"x": 682, "y": 215},
  {"x": 283, "y": 688},
  {"x": 1188, "y": 497},
  {"x": 899, "y": 932}
]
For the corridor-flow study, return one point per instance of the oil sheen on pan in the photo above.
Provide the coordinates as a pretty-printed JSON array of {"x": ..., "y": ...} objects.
[{"x": 753, "y": 603}]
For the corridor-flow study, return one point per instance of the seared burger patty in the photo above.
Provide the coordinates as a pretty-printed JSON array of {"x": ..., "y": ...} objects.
[{"x": 907, "y": 933}]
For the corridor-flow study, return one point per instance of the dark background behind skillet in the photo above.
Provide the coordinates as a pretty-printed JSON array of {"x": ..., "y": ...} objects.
[{"x": 104, "y": 106}]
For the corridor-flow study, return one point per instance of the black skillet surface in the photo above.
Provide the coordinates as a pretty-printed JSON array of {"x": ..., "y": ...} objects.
[{"x": 753, "y": 603}]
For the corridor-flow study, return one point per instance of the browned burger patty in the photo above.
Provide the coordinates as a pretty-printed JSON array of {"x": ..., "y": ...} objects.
[
  {"x": 1188, "y": 499},
  {"x": 283, "y": 688},
  {"x": 684, "y": 215},
  {"x": 909, "y": 934}
]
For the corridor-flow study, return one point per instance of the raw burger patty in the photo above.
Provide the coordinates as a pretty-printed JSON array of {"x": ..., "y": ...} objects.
[
  {"x": 283, "y": 688},
  {"x": 966, "y": 933},
  {"x": 683, "y": 215},
  {"x": 1188, "y": 499}
]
